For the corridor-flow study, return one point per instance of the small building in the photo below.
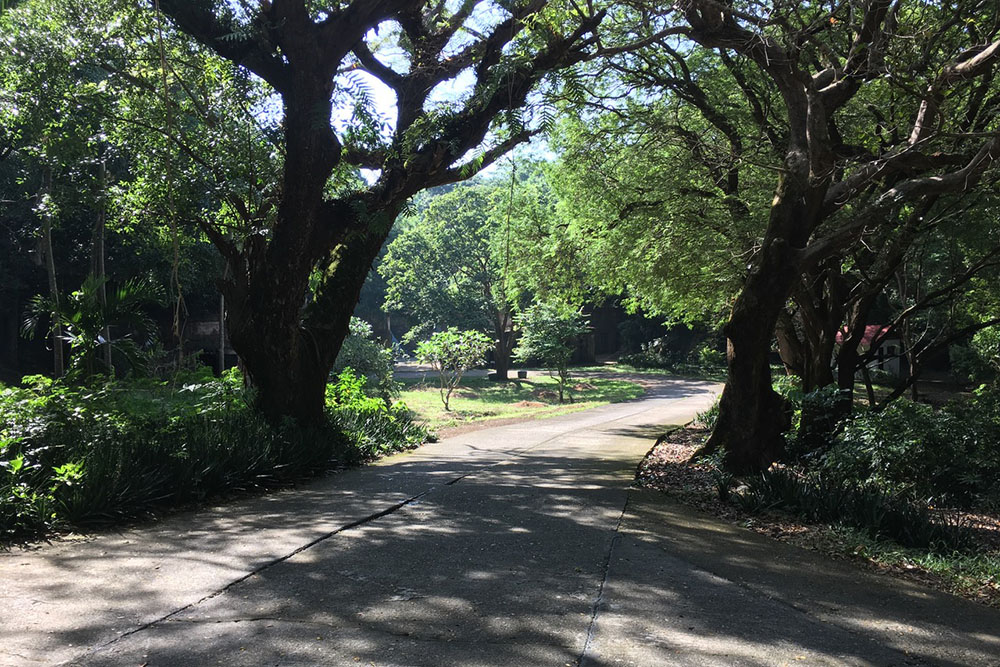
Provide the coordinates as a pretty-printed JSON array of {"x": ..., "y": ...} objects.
[{"x": 889, "y": 355}]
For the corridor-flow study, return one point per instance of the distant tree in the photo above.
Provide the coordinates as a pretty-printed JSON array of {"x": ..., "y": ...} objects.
[
  {"x": 549, "y": 331},
  {"x": 446, "y": 269},
  {"x": 477, "y": 253},
  {"x": 452, "y": 353}
]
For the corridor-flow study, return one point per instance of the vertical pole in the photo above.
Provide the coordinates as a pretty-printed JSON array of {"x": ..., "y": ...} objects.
[
  {"x": 100, "y": 271},
  {"x": 58, "y": 360},
  {"x": 222, "y": 333}
]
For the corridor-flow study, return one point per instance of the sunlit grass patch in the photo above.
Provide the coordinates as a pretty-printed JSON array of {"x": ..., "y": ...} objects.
[{"x": 479, "y": 399}]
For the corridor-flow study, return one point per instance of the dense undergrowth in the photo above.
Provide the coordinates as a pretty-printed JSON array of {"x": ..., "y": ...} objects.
[
  {"x": 73, "y": 456},
  {"x": 703, "y": 361},
  {"x": 908, "y": 473}
]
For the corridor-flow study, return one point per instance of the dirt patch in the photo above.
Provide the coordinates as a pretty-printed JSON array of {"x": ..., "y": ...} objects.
[
  {"x": 528, "y": 404},
  {"x": 667, "y": 469}
]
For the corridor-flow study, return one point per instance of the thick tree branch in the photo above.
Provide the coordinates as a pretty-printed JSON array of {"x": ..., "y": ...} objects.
[{"x": 243, "y": 45}]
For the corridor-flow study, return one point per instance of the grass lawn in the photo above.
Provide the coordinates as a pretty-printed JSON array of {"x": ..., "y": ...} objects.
[
  {"x": 685, "y": 371},
  {"x": 479, "y": 399}
]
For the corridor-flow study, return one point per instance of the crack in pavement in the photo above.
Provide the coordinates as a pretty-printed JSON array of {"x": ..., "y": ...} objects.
[
  {"x": 266, "y": 566},
  {"x": 599, "y": 600},
  {"x": 511, "y": 455},
  {"x": 347, "y": 623}
]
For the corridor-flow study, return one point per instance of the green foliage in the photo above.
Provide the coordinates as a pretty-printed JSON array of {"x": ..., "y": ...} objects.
[
  {"x": 653, "y": 222},
  {"x": 944, "y": 457},
  {"x": 85, "y": 456},
  {"x": 550, "y": 330},
  {"x": 980, "y": 360},
  {"x": 452, "y": 353},
  {"x": 968, "y": 571},
  {"x": 85, "y": 319},
  {"x": 372, "y": 426},
  {"x": 444, "y": 269},
  {"x": 369, "y": 359},
  {"x": 817, "y": 417},
  {"x": 883, "y": 473},
  {"x": 703, "y": 360},
  {"x": 649, "y": 359},
  {"x": 709, "y": 417},
  {"x": 477, "y": 252},
  {"x": 865, "y": 506}
]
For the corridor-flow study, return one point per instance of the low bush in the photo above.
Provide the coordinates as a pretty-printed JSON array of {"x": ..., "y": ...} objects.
[
  {"x": 372, "y": 426},
  {"x": 88, "y": 455},
  {"x": 980, "y": 360},
  {"x": 648, "y": 359},
  {"x": 368, "y": 358},
  {"x": 867, "y": 507},
  {"x": 709, "y": 417},
  {"x": 948, "y": 457},
  {"x": 703, "y": 360},
  {"x": 886, "y": 473}
]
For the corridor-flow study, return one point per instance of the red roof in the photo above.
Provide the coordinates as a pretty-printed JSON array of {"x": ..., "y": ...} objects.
[{"x": 871, "y": 331}]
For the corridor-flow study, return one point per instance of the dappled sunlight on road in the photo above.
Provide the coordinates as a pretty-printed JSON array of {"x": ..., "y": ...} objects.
[{"x": 521, "y": 545}]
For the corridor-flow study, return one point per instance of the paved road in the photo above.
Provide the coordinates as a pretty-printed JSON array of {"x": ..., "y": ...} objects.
[{"x": 519, "y": 545}]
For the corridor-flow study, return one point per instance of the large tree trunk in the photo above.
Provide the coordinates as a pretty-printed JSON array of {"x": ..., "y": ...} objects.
[
  {"x": 752, "y": 417},
  {"x": 504, "y": 344},
  {"x": 287, "y": 345}
]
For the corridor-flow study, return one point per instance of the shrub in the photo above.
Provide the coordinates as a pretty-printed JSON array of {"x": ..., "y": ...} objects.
[
  {"x": 90, "y": 455},
  {"x": 863, "y": 506},
  {"x": 372, "y": 426},
  {"x": 647, "y": 359},
  {"x": 369, "y": 358},
  {"x": 452, "y": 353},
  {"x": 980, "y": 360},
  {"x": 703, "y": 360},
  {"x": 950, "y": 456},
  {"x": 709, "y": 417},
  {"x": 817, "y": 418},
  {"x": 85, "y": 317},
  {"x": 549, "y": 332}
]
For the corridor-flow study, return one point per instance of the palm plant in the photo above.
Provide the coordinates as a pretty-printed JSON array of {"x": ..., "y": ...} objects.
[{"x": 90, "y": 320}]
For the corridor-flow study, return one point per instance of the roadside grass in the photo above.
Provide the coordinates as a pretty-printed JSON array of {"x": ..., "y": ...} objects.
[
  {"x": 695, "y": 372},
  {"x": 974, "y": 575},
  {"x": 479, "y": 399},
  {"x": 972, "y": 571}
]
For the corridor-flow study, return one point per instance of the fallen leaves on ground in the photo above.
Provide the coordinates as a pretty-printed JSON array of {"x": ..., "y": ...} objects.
[{"x": 667, "y": 468}]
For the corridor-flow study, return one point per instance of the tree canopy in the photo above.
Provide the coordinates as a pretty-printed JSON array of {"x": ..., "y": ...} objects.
[{"x": 799, "y": 171}]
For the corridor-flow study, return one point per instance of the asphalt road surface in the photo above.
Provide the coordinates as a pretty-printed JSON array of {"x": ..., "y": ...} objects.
[{"x": 518, "y": 545}]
